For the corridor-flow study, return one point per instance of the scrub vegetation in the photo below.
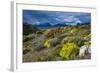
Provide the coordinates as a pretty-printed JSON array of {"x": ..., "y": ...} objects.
[{"x": 56, "y": 43}]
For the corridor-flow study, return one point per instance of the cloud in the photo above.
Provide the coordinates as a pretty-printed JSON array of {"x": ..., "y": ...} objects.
[
  {"x": 33, "y": 21},
  {"x": 57, "y": 19},
  {"x": 71, "y": 19},
  {"x": 54, "y": 17}
]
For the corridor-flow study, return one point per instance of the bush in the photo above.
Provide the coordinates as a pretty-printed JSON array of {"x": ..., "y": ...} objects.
[
  {"x": 74, "y": 30},
  {"x": 51, "y": 42},
  {"x": 69, "y": 51},
  {"x": 28, "y": 38},
  {"x": 64, "y": 40},
  {"x": 29, "y": 29},
  {"x": 47, "y": 44},
  {"x": 86, "y": 43},
  {"x": 38, "y": 47},
  {"x": 38, "y": 33},
  {"x": 25, "y": 51},
  {"x": 75, "y": 39},
  {"x": 89, "y": 37}
]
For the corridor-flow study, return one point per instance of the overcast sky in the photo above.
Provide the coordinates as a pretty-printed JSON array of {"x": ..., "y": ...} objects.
[{"x": 54, "y": 17}]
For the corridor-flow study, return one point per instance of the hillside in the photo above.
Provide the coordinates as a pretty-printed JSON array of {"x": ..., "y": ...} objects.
[{"x": 54, "y": 44}]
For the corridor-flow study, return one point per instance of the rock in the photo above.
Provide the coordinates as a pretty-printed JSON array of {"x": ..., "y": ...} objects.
[{"x": 83, "y": 50}]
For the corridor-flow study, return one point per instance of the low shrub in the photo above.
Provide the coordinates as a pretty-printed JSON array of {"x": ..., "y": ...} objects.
[
  {"x": 25, "y": 51},
  {"x": 28, "y": 37},
  {"x": 51, "y": 42},
  {"x": 38, "y": 47},
  {"x": 69, "y": 51},
  {"x": 74, "y": 39},
  {"x": 47, "y": 43},
  {"x": 86, "y": 43}
]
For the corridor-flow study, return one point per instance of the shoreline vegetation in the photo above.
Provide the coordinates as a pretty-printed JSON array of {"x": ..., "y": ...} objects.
[{"x": 57, "y": 43}]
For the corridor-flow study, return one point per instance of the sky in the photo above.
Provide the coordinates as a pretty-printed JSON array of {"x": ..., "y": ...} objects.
[{"x": 37, "y": 17}]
